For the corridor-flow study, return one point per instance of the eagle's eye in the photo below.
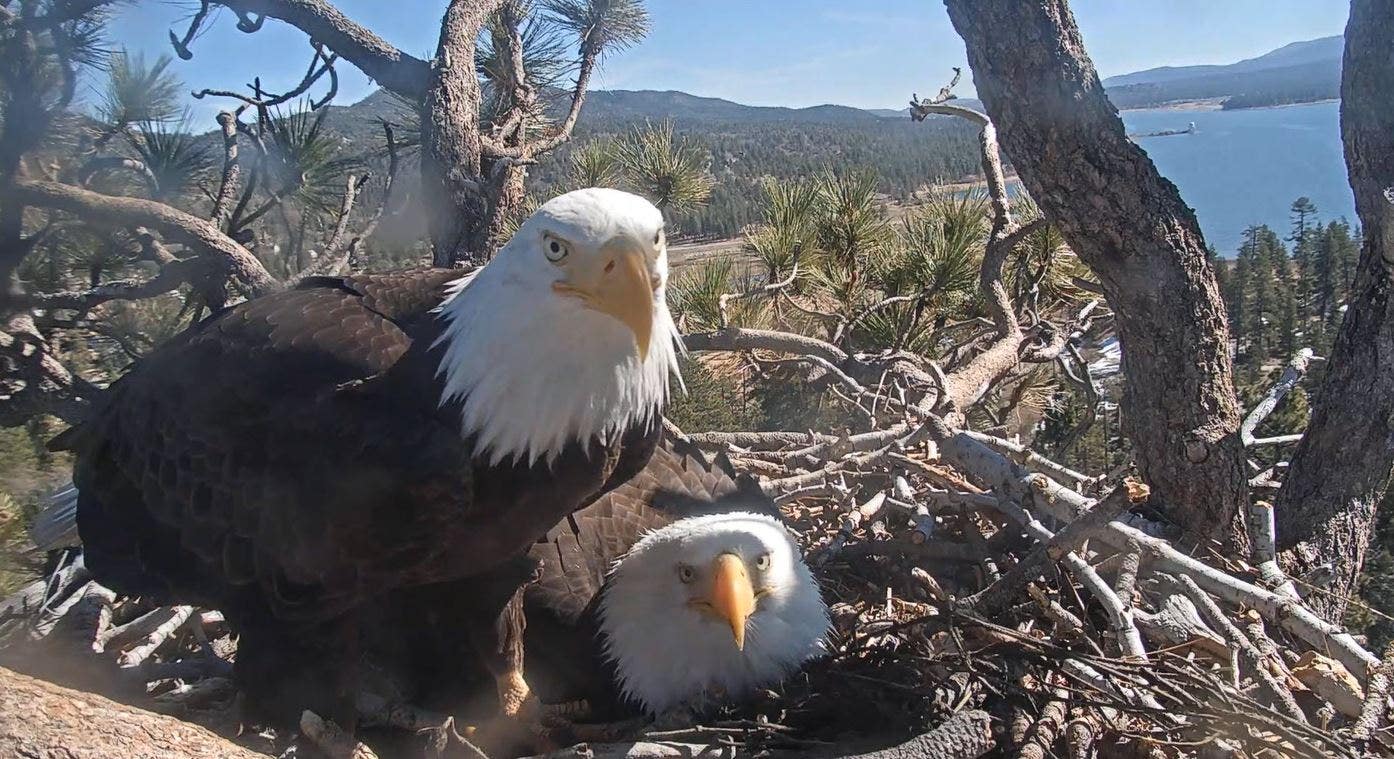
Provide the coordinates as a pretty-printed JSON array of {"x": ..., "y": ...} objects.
[
  {"x": 686, "y": 574},
  {"x": 556, "y": 250},
  {"x": 657, "y": 237},
  {"x": 762, "y": 562}
]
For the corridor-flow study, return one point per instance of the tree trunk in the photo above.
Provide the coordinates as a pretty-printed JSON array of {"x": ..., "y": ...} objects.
[
  {"x": 1326, "y": 509},
  {"x": 508, "y": 190},
  {"x": 1131, "y": 227},
  {"x": 450, "y": 156},
  {"x": 46, "y": 721}
]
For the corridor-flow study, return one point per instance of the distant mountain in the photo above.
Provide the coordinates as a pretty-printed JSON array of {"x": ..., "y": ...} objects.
[
  {"x": 1299, "y": 72},
  {"x": 609, "y": 106},
  {"x": 1323, "y": 52}
]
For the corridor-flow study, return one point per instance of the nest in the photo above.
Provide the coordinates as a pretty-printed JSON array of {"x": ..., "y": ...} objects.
[{"x": 978, "y": 605}]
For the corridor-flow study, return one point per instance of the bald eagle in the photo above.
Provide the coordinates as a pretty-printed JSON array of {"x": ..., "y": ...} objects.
[
  {"x": 678, "y": 589},
  {"x": 290, "y": 459}
]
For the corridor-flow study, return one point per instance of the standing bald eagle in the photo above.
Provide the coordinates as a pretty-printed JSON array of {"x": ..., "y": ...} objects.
[
  {"x": 296, "y": 456},
  {"x": 679, "y": 587}
]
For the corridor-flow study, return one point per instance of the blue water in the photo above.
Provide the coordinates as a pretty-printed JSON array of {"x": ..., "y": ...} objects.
[{"x": 1247, "y": 166}]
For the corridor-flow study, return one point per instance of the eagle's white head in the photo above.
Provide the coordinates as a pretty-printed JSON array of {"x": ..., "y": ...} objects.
[
  {"x": 565, "y": 335},
  {"x": 710, "y": 607}
]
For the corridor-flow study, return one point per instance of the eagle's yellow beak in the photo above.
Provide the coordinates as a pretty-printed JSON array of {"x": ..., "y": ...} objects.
[
  {"x": 616, "y": 282},
  {"x": 733, "y": 597}
]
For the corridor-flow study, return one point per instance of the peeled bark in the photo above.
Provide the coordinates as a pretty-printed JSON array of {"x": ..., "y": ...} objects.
[
  {"x": 45, "y": 721},
  {"x": 1131, "y": 227},
  {"x": 1326, "y": 509}
]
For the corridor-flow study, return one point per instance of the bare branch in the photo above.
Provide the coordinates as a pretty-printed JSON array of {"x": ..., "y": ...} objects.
[
  {"x": 232, "y": 170},
  {"x": 1251, "y": 655},
  {"x": 1063, "y": 503},
  {"x": 1292, "y": 375},
  {"x": 740, "y": 339},
  {"x": 323, "y": 22},
  {"x": 320, "y": 64},
  {"x": 170, "y": 221},
  {"x": 169, "y": 277}
]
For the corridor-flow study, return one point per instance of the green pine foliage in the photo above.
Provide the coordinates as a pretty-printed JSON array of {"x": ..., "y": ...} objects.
[{"x": 712, "y": 402}]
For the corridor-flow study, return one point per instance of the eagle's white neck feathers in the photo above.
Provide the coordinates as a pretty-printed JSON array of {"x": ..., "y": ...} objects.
[
  {"x": 669, "y": 655},
  {"x": 537, "y": 371}
]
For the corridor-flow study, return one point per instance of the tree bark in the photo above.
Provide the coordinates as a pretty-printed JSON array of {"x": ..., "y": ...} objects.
[
  {"x": 45, "y": 721},
  {"x": 1326, "y": 509},
  {"x": 450, "y": 160},
  {"x": 1130, "y": 225}
]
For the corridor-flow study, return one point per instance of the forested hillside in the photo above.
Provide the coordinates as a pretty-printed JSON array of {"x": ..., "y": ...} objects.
[
  {"x": 744, "y": 144},
  {"x": 1300, "y": 72}
]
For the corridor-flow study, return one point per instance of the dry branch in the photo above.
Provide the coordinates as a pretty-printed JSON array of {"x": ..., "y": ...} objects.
[
  {"x": 1292, "y": 374},
  {"x": 323, "y": 22},
  {"x": 1063, "y": 503},
  {"x": 1272, "y": 686},
  {"x": 176, "y": 224}
]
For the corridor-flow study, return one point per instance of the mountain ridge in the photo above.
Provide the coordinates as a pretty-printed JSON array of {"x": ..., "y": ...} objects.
[
  {"x": 1302, "y": 71},
  {"x": 1302, "y": 52}
]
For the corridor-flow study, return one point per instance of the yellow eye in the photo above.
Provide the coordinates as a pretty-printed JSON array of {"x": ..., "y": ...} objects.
[
  {"x": 763, "y": 562},
  {"x": 686, "y": 574},
  {"x": 555, "y": 250}
]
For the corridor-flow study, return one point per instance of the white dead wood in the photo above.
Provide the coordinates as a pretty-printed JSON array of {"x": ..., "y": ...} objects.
[
  {"x": 1292, "y": 374},
  {"x": 1275, "y": 689},
  {"x": 1176, "y": 623},
  {"x": 920, "y": 518},
  {"x": 1120, "y": 615},
  {"x": 174, "y": 617},
  {"x": 1375, "y": 711},
  {"x": 1066, "y": 504},
  {"x": 1264, "y": 552}
]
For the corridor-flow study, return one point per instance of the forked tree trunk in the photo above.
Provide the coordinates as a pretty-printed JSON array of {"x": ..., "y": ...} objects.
[
  {"x": 1131, "y": 227},
  {"x": 450, "y": 155},
  {"x": 1326, "y": 509}
]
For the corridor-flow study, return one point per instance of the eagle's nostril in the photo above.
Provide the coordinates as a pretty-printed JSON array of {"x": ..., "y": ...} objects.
[{"x": 610, "y": 266}]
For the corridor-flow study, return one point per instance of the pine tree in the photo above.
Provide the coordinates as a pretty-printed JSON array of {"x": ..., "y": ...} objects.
[{"x": 1304, "y": 212}]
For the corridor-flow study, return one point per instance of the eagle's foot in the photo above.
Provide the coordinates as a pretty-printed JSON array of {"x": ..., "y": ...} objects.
[
  {"x": 515, "y": 697},
  {"x": 522, "y": 724},
  {"x": 567, "y": 711}
]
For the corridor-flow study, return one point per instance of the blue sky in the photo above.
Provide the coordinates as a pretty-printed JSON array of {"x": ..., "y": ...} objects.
[{"x": 764, "y": 52}]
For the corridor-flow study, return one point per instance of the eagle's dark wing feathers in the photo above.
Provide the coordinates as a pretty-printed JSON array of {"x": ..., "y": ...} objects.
[
  {"x": 679, "y": 481},
  {"x": 230, "y": 460}
]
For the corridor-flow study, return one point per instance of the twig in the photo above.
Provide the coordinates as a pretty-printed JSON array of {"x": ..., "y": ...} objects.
[
  {"x": 1275, "y": 689},
  {"x": 232, "y": 170},
  {"x": 923, "y": 522},
  {"x": 1063, "y": 503},
  {"x": 1120, "y": 615},
  {"x": 996, "y": 597},
  {"x": 1031, "y": 459}
]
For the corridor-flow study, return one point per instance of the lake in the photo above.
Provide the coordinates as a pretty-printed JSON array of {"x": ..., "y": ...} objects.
[{"x": 1246, "y": 166}]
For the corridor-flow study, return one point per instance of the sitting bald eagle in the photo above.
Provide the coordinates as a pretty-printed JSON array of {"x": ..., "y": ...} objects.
[
  {"x": 680, "y": 588},
  {"x": 296, "y": 456}
]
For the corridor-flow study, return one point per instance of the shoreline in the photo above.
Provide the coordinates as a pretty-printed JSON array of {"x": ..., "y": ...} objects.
[{"x": 1217, "y": 104}]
